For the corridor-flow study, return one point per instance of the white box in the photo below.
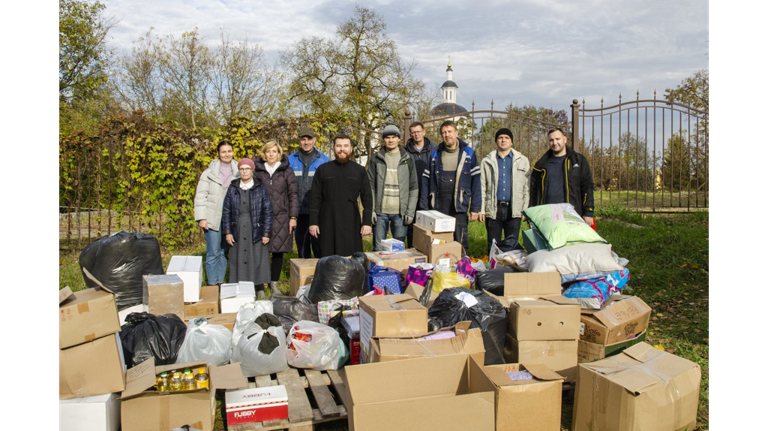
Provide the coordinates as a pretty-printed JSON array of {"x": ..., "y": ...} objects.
[
  {"x": 233, "y": 295},
  {"x": 190, "y": 270},
  {"x": 393, "y": 245},
  {"x": 96, "y": 413},
  {"x": 435, "y": 221},
  {"x": 121, "y": 315},
  {"x": 256, "y": 404}
]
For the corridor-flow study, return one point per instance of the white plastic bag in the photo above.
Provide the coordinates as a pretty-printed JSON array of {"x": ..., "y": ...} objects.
[
  {"x": 254, "y": 362},
  {"x": 316, "y": 346},
  {"x": 247, "y": 314},
  {"x": 204, "y": 341}
]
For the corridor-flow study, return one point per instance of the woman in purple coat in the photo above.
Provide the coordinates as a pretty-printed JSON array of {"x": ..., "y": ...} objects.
[{"x": 273, "y": 170}]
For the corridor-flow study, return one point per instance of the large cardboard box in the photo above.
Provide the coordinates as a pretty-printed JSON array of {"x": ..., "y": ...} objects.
[
  {"x": 190, "y": 270},
  {"x": 96, "y": 413},
  {"x": 390, "y": 316},
  {"x": 87, "y": 315},
  {"x": 93, "y": 368},
  {"x": 164, "y": 294},
  {"x": 435, "y": 221},
  {"x": 399, "y": 260},
  {"x": 302, "y": 271},
  {"x": 208, "y": 305},
  {"x": 225, "y": 319},
  {"x": 641, "y": 388},
  {"x": 423, "y": 237},
  {"x": 591, "y": 352},
  {"x": 551, "y": 318},
  {"x": 559, "y": 355},
  {"x": 429, "y": 393},
  {"x": 145, "y": 409},
  {"x": 622, "y": 318},
  {"x": 415, "y": 290},
  {"x": 467, "y": 341},
  {"x": 517, "y": 399},
  {"x": 444, "y": 254}
]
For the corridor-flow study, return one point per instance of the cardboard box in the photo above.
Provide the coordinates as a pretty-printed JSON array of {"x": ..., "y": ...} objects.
[
  {"x": 64, "y": 293},
  {"x": 435, "y": 221},
  {"x": 87, "y": 315},
  {"x": 445, "y": 254},
  {"x": 96, "y": 413},
  {"x": 415, "y": 291},
  {"x": 531, "y": 285},
  {"x": 93, "y": 368},
  {"x": 390, "y": 316},
  {"x": 430, "y": 393},
  {"x": 467, "y": 341},
  {"x": 640, "y": 388},
  {"x": 233, "y": 295},
  {"x": 622, "y": 318},
  {"x": 423, "y": 237},
  {"x": 517, "y": 399},
  {"x": 559, "y": 355},
  {"x": 226, "y": 319},
  {"x": 256, "y": 404},
  {"x": 208, "y": 305},
  {"x": 399, "y": 261},
  {"x": 190, "y": 270},
  {"x": 392, "y": 245},
  {"x": 591, "y": 352},
  {"x": 146, "y": 409},
  {"x": 302, "y": 271},
  {"x": 164, "y": 294},
  {"x": 552, "y": 318}
]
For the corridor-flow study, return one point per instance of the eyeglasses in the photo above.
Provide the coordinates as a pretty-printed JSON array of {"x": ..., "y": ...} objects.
[{"x": 244, "y": 169}]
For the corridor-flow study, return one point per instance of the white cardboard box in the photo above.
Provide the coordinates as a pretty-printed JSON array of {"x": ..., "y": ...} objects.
[
  {"x": 392, "y": 245},
  {"x": 233, "y": 295},
  {"x": 96, "y": 413},
  {"x": 435, "y": 221},
  {"x": 256, "y": 404},
  {"x": 190, "y": 270}
]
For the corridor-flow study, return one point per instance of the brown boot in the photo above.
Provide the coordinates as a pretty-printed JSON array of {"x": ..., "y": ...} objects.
[{"x": 273, "y": 287}]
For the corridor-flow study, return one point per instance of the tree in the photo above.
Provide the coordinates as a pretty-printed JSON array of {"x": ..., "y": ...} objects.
[
  {"x": 139, "y": 82},
  {"x": 693, "y": 91}
]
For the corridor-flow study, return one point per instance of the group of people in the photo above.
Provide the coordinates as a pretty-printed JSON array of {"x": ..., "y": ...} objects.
[{"x": 257, "y": 206}]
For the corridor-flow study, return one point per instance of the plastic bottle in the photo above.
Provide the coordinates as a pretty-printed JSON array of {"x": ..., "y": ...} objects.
[
  {"x": 163, "y": 384},
  {"x": 176, "y": 381},
  {"x": 201, "y": 379},
  {"x": 188, "y": 381}
]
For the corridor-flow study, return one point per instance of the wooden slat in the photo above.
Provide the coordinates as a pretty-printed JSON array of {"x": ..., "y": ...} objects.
[
  {"x": 323, "y": 396},
  {"x": 264, "y": 381},
  {"x": 299, "y": 409},
  {"x": 338, "y": 383}
]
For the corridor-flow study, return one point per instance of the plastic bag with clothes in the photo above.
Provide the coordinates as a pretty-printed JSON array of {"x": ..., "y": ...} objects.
[
  {"x": 316, "y": 346},
  {"x": 204, "y": 341},
  {"x": 247, "y": 314},
  {"x": 119, "y": 261},
  {"x": 337, "y": 277},
  {"x": 291, "y": 309},
  {"x": 493, "y": 279},
  {"x": 145, "y": 335},
  {"x": 261, "y": 349},
  {"x": 456, "y": 305},
  {"x": 446, "y": 280}
]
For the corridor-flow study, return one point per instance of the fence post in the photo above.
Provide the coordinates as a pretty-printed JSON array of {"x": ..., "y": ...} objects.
[
  {"x": 407, "y": 119},
  {"x": 575, "y": 127}
]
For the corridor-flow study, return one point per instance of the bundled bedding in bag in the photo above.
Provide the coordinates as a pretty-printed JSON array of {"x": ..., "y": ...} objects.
[{"x": 560, "y": 225}]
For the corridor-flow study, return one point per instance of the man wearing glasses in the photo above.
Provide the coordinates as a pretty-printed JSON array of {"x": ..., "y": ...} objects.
[{"x": 419, "y": 147}]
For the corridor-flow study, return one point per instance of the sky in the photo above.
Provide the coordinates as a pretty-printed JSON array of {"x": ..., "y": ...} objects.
[{"x": 544, "y": 53}]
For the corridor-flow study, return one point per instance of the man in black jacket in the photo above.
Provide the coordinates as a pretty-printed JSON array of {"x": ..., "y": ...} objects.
[
  {"x": 563, "y": 176},
  {"x": 419, "y": 147}
]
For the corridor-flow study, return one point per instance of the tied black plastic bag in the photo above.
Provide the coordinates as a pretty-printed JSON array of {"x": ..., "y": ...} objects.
[
  {"x": 458, "y": 304},
  {"x": 119, "y": 261},
  {"x": 492, "y": 280},
  {"x": 362, "y": 259},
  {"x": 290, "y": 310},
  {"x": 145, "y": 335},
  {"x": 337, "y": 277}
]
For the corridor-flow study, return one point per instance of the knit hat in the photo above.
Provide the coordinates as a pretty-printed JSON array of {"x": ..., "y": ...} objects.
[
  {"x": 246, "y": 162},
  {"x": 306, "y": 131},
  {"x": 505, "y": 131},
  {"x": 390, "y": 130}
]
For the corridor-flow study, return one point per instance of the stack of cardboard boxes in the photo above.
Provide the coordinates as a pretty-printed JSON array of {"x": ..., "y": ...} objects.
[
  {"x": 433, "y": 236},
  {"x": 621, "y": 323}
]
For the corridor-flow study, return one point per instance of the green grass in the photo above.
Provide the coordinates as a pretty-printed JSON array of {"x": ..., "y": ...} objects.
[{"x": 668, "y": 262}]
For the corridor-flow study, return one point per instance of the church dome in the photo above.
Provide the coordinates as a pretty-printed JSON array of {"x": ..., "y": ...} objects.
[
  {"x": 444, "y": 109},
  {"x": 449, "y": 84}
]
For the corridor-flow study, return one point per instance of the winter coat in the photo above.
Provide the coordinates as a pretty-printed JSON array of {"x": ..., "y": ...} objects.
[
  {"x": 285, "y": 202},
  {"x": 578, "y": 178},
  {"x": 261, "y": 210},
  {"x": 406, "y": 179},
  {"x": 420, "y": 159},
  {"x": 489, "y": 180},
  {"x": 209, "y": 196},
  {"x": 305, "y": 174},
  {"x": 467, "y": 193}
]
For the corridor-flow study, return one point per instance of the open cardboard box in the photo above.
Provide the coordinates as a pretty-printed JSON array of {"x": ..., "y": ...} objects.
[
  {"x": 622, "y": 318},
  {"x": 398, "y": 260},
  {"x": 591, "y": 352},
  {"x": 390, "y": 316},
  {"x": 302, "y": 271},
  {"x": 559, "y": 355},
  {"x": 208, "y": 304},
  {"x": 467, "y": 341}
]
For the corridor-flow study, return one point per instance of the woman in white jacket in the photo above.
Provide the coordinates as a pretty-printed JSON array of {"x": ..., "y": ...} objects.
[{"x": 209, "y": 201}]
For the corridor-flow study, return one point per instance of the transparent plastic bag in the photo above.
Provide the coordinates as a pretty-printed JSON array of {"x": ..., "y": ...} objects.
[
  {"x": 247, "y": 314},
  {"x": 316, "y": 346},
  {"x": 203, "y": 341},
  {"x": 446, "y": 280},
  {"x": 261, "y": 351}
]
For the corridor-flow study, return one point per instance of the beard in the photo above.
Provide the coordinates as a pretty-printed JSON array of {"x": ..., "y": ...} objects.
[{"x": 342, "y": 157}]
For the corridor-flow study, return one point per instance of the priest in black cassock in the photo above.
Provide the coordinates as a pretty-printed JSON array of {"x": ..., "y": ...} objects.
[{"x": 334, "y": 214}]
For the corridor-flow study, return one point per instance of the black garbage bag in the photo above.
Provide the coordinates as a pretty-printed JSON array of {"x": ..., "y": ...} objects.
[
  {"x": 119, "y": 261},
  {"x": 492, "y": 280},
  {"x": 337, "y": 277},
  {"x": 290, "y": 310},
  {"x": 459, "y": 304},
  {"x": 144, "y": 335},
  {"x": 362, "y": 258},
  {"x": 509, "y": 243}
]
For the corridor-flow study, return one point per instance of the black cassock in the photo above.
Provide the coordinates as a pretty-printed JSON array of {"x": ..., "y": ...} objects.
[{"x": 333, "y": 206}]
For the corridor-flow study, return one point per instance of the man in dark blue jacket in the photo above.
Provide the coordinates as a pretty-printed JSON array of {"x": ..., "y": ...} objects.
[
  {"x": 451, "y": 182},
  {"x": 420, "y": 148}
]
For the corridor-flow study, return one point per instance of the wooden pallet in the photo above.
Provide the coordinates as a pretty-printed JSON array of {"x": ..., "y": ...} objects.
[{"x": 313, "y": 397}]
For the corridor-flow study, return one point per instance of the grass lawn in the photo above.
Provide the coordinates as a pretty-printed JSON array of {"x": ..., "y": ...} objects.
[{"x": 668, "y": 262}]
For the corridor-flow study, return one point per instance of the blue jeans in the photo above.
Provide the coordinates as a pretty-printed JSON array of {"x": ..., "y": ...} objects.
[
  {"x": 215, "y": 259},
  {"x": 383, "y": 224}
]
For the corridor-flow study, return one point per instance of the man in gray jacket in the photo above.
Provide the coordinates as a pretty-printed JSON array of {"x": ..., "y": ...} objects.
[
  {"x": 504, "y": 179},
  {"x": 395, "y": 188}
]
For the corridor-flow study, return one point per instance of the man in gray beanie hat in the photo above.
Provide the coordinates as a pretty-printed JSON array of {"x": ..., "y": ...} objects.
[{"x": 392, "y": 175}]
